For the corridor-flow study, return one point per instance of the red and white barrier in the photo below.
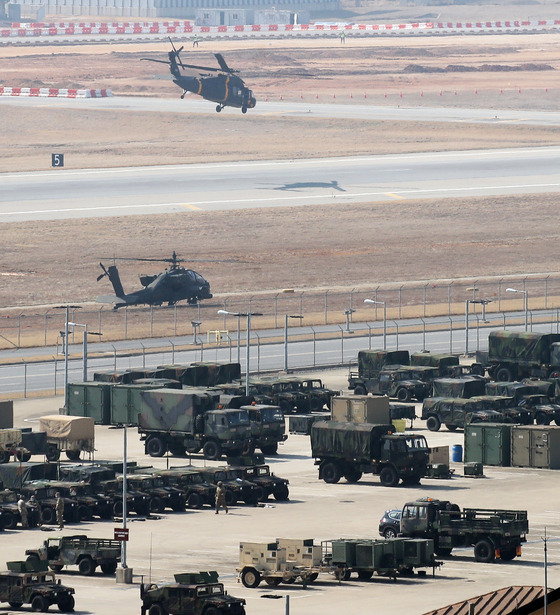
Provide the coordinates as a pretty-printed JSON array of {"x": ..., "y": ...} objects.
[
  {"x": 18, "y": 30},
  {"x": 53, "y": 92}
]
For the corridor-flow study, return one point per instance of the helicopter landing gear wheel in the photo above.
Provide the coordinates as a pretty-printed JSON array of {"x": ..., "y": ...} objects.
[
  {"x": 243, "y": 109},
  {"x": 218, "y": 108}
]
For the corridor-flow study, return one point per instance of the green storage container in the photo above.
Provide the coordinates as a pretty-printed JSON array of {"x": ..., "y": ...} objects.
[
  {"x": 344, "y": 552},
  {"x": 473, "y": 468},
  {"x": 488, "y": 444},
  {"x": 126, "y": 403},
  {"x": 91, "y": 399}
]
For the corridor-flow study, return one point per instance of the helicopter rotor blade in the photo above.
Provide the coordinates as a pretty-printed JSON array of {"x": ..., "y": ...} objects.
[
  {"x": 152, "y": 60},
  {"x": 214, "y": 70},
  {"x": 223, "y": 64}
]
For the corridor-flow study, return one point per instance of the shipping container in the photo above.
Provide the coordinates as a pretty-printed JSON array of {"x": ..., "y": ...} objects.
[
  {"x": 535, "y": 446},
  {"x": 301, "y": 423},
  {"x": 91, "y": 399},
  {"x": 361, "y": 409},
  {"x": 488, "y": 444}
]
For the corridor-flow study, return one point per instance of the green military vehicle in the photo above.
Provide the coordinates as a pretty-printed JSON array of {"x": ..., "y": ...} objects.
[
  {"x": 445, "y": 363},
  {"x": 82, "y": 551},
  {"x": 193, "y": 593},
  {"x": 352, "y": 449},
  {"x": 456, "y": 412},
  {"x": 174, "y": 420},
  {"x": 268, "y": 427},
  {"x": 90, "y": 503},
  {"x": 160, "y": 496},
  {"x": 530, "y": 395},
  {"x": 136, "y": 501},
  {"x": 465, "y": 386},
  {"x": 493, "y": 533},
  {"x": 267, "y": 483},
  {"x": 282, "y": 392},
  {"x": 237, "y": 488},
  {"x": 45, "y": 495},
  {"x": 27, "y": 584},
  {"x": 402, "y": 383},
  {"x": 513, "y": 356},
  {"x": 10, "y": 512},
  {"x": 198, "y": 492}
]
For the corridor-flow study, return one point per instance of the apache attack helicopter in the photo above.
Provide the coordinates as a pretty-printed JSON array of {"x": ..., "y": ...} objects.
[
  {"x": 225, "y": 88},
  {"x": 172, "y": 285}
]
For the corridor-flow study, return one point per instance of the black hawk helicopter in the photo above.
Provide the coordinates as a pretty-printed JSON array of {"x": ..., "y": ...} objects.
[
  {"x": 172, "y": 285},
  {"x": 225, "y": 88}
]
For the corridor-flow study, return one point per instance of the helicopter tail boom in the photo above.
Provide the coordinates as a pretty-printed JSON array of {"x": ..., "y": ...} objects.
[{"x": 113, "y": 274}]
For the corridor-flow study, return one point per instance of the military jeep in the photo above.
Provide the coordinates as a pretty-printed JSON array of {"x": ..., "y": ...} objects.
[
  {"x": 192, "y": 594},
  {"x": 267, "y": 483},
  {"x": 39, "y": 588}
]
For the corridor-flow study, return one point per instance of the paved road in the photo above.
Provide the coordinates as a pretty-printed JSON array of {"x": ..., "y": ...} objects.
[{"x": 61, "y": 194}]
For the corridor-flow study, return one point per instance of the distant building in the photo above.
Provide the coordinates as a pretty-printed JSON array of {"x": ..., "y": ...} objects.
[
  {"x": 233, "y": 12},
  {"x": 238, "y": 17}
]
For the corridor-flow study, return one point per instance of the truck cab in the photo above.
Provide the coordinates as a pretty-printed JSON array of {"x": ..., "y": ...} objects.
[{"x": 268, "y": 427}]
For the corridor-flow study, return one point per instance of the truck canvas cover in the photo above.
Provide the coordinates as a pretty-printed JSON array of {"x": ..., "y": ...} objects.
[
  {"x": 517, "y": 390},
  {"x": 458, "y": 387},
  {"x": 441, "y": 361},
  {"x": 530, "y": 348},
  {"x": 166, "y": 410},
  {"x": 371, "y": 362},
  {"x": 13, "y": 475},
  {"x": 60, "y": 427},
  {"x": 9, "y": 438},
  {"x": 352, "y": 440}
]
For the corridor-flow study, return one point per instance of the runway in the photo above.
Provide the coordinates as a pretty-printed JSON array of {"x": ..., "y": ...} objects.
[{"x": 60, "y": 194}]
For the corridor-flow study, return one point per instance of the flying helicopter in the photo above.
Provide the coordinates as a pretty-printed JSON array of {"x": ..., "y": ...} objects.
[
  {"x": 225, "y": 88},
  {"x": 172, "y": 285}
]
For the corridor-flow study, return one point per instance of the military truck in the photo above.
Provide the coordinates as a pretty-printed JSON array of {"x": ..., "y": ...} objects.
[
  {"x": 456, "y": 412},
  {"x": 160, "y": 496},
  {"x": 173, "y": 420},
  {"x": 267, "y": 483},
  {"x": 465, "y": 387},
  {"x": 23, "y": 584},
  {"x": 268, "y": 427},
  {"x": 236, "y": 487},
  {"x": 527, "y": 395},
  {"x": 285, "y": 393},
  {"x": 513, "y": 356},
  {"x": 318, "y": 394},
  {"x": 82, "y": 551},
  {"x": 493, "y": 533},
  {"x": 10, "y": 512},
  {"x": 45, "y": 495},
  {"x": 445, "y": 363},
  {"x": 136, "y": 501},
  {"x": 402, "y": 383},
  {"x": 193, "y": 593},
  {"x": 72, "y": 434},
  {"x": 90, "y": 503},
  {"x": 197, "y": 491},
  {"x": 351, "y": 449}
]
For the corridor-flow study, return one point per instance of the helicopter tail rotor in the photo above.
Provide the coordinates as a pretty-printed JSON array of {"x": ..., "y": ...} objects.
[{"x": 102, "y": 275}]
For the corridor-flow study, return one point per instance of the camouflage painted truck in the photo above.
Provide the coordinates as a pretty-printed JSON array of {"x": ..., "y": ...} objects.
[
  {"x": 29, "y": 584},
  {"x": 493, "y": 533},
  {"x": 513, "y": 356},
  {"x": 193, "y": 593},
  {"x": 82, "y": 551},
  {"x": 268, "y": 427},
  {"x": 352, "y": 449},
  {"x": 172, "y": 420}
]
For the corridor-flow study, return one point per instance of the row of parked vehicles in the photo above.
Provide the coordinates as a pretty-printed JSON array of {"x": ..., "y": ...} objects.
[{"x": 95, "y": 490}]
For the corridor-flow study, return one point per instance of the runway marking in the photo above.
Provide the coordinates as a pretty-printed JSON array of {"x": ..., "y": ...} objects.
[
  {"x": 395, "y": 196},
  {"x": 193, "y": 207},
  {"x": 342, "y": 197}
]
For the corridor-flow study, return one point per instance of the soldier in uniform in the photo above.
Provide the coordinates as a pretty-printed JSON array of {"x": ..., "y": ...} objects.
[
  {"x": 22, "y": 509},
  {"x": 35, "y": 511},
  {"x": 221, "y": 497},
  {"x": 59, "y": 508}
]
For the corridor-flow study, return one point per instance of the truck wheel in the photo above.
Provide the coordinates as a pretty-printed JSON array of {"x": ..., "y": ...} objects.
[
  {"x": 10, "y": 521},
  {"x": 4, "y": 456},
  {"x": 404, "y": 395},
  {"x": 33, "y": 560},
  {"x": 477, "y": 369},
  {"x": 15, "y": 605},
  {"x": 48, "y": 515},
  {"x": 451, "y": 427},
  {"x": 21, "y": 456},
  {"x": 507, "y": 554},
  {"x": 231, "y": 498},
  {"x": 281, "y": 493},
  {"x": 157, "y": 609},
  {"x": 389, "y": 477},
  {"x": 250, "y": 577},
  {"x": 56, "y": 567},
  {"x": 52, "y": 454},
  {"x": 118, "y": 508},
  {"x": 484, "y": 551},
  {"x": 443, "y": 551},
  {"x": 194, "y": 501},
  {"x": 212, "y": 610},
  {"x": 84, "y": 512},
  {"x": 177, "y": 450},
  {"x": 315, "y": 404},
  {"x": 365, "y": 575},
  {"x": 212, "y": 450},
  {"x": 73, "y": 455},
  {"x": 66, "y": 603},
  {"x": 331, "y": 472},
  {"x": 270, "y": 449},
  {"x": 155, "y": 447},
  {"x": 39, "y": 604},
  {"x": 285, "y": 406},
  {"x": 542, "y": 419},
  {"x": 352, "y": 475},
  {"x": 504, "y": 374},
  {"x": 87, "y": 566},
  {"x": 156, "y": 504},
  {"x": 360, "y": 389},
  {"x": 433, "y": 423},
  {"x": 109, "y": 567},
  {"x": 261, "y": 494}
]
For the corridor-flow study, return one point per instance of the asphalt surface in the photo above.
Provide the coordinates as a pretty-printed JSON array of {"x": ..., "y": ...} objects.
[{"x": 62, "y": 194}]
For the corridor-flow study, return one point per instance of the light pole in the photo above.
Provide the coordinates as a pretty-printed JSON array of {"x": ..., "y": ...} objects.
[
  {"x": 384, "y": 304},
  {"x": 348, "y": 313},
  {"x": 195, "y": 325},
  {"x": 248, "y": 353},
  {"x": 86, "y": 333},
  {"x": 484, "y": 303},
  {"x": 287, "y": 316},
  {"x": 66, "y": 323},
  {"x": 526, "y": 294}
]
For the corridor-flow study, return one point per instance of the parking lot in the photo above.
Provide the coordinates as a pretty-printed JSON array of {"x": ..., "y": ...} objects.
[{"x": 200, "y": 540}]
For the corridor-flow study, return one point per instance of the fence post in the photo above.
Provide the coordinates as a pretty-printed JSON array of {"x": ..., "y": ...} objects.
[
  {"x": 143, "y": 357},
  {"x": 175, "y": 320},
  {"x": 326, "y": 307},
  {"x": 126, "y": 322},
  {"x": 24, "y": 378},
  {"x": 397, "y": 328},
  {"x": 546, "y": 291},
  {"x": 449, "y": 298},
  {"x": 258, "y": 352},
  {"x": 400, "y": 301},
  {"x": 172, "y": 352},
  {"x": 314, "y": 342},
  {"x": 55, "y": 366},
  {"x": 114, "y": 357},
  {"x": 369, "y": 335},
  {"x": 504, "y": 317},
  {"x": 450, "y": 335},
  {"x": 276, "y": 310},
  {"x": 99, "y": 323},
  {"x": 151, "y": 320},
  {"x": 341, "y": 345},
  {"x": 423, "y": 334}
]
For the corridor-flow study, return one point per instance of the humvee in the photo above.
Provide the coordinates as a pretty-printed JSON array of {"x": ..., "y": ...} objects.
[
  {"x": 192, "y": 594},
  {"x": 38, "y": 588}
]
